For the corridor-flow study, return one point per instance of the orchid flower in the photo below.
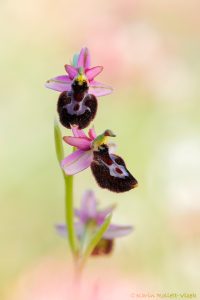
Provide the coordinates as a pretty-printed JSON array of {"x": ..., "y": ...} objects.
[
  {"x": 77, "y": 103},
  {"x": 80, "y": 61},
  {"x": 93, "y": 151},
  {"x": 89, "y": 215}
]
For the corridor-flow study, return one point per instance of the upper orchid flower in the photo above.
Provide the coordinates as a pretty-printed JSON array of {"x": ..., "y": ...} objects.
[
  {"x": 77, "y": 104},
  {"x": 63, "y": 82},
  {"x": 108, "y": 169},
  {"x": 88, "y": 215}
]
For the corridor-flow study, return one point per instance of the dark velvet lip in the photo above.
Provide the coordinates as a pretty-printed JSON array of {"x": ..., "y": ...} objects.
[
  {"x": 102, "y": 174},
  {"x": 82, "y": 121}
]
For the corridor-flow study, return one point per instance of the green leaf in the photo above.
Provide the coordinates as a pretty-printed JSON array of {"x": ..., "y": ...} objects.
[
  {"x": 94, "y": 240},
  {"x": 58, "y": 142}
]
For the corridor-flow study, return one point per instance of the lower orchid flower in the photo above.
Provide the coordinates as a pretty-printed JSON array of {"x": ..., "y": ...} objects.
[
  {"x": 88, "y": 215},
  {"x": 93, "y": 151}
]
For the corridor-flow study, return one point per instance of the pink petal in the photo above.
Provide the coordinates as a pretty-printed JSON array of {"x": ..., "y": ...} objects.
[
  {"x": 88, "y": 208},
  {"x": 115, "y": 231},
  {"x": 99, "y": 89},
  {"x": 72, "y": 71},
  {"x": 88, "y": 205},
  {"x": 60, "y": 83},
  {"x": 104, "y": 213},
  {"x": 81, "y": 143},
  {"x": 62, "y": 230},
  {"x": 78, "y": 132},
  {"x": 93, "y": 72},
  {"x": 92, "y": 133},
  {"x": 77, "y": 161},
  {"x": 84, "y": 59}
]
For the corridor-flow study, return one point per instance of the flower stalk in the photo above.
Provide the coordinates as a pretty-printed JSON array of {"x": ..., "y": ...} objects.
[
  {"x": 68, "y": 180},
  {"x": 92, "y": 233},
  {"x": 69, "y": 214}
]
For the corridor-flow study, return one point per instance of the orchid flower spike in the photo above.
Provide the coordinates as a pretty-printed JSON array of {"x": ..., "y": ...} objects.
[
  {"x": 95, "y": 152},
  {"x": 89, "y": 215},
  {"x": 77, "y": 103}
]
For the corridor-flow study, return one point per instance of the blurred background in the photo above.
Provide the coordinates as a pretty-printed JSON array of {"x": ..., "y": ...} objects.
[{"x": 150, "y": 53}]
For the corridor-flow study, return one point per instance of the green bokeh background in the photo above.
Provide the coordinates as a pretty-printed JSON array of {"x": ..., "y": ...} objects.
[{"x": 154, "y": 111}]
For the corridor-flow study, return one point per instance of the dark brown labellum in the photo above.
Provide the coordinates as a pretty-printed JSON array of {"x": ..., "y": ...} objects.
[
  {"x": 76, "y": 109},
  {"x": 110, "y": 171},
  {"x": 104, "y": 247}
]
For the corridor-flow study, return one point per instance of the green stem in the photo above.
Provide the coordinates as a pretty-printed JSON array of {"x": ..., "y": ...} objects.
[
  {"x": 69, "y": 214},
  {"x": 69, "y": 209}
]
